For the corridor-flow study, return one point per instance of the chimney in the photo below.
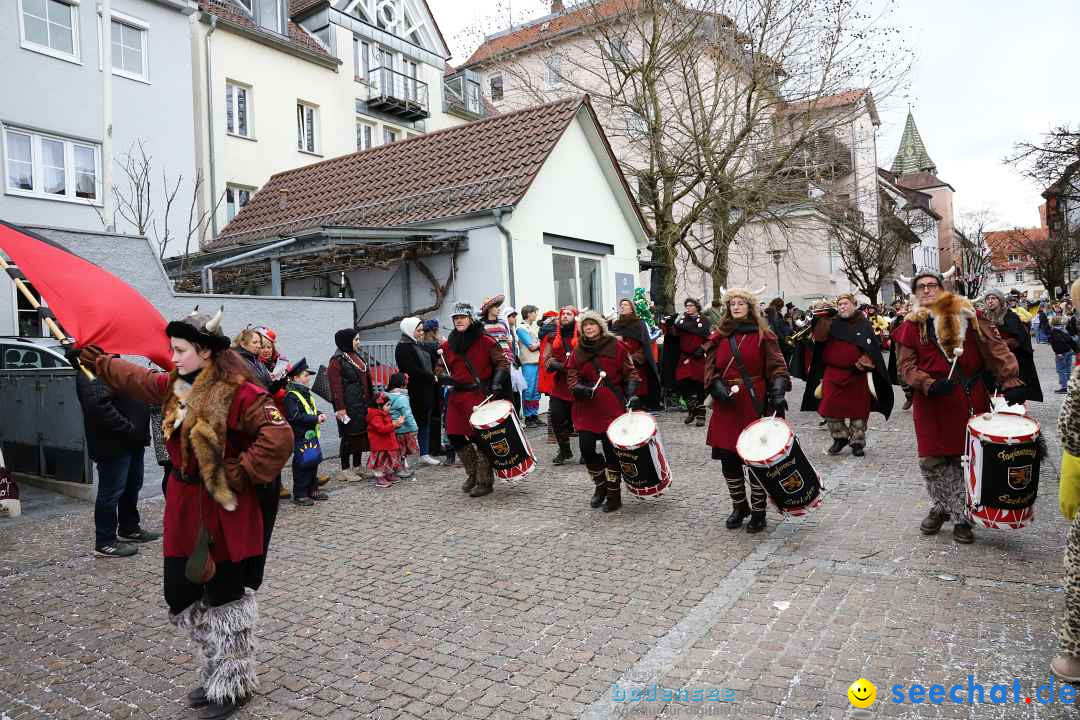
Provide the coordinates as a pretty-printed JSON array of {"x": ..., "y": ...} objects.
[
  {"x": 557, "y": 7},
  {"x": 283, "y": 199}
]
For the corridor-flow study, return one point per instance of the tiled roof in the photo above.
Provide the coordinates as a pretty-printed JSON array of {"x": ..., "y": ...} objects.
[
  {"x": 848, "y": 97},
  {"x": 298, "y": 6},
  {"x": 298, "y": 36},
  {"x": 1003, "y": 243},
  {"x": 461, "y": 170},
  {"x": 911, "y": 157},
  {"x": 549, "y": 27}
]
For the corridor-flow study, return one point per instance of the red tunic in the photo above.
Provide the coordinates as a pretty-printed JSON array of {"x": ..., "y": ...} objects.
[
  {"x": 729, "y": 418},
  {"x": 485, "y": 355},
  {"x": 844, "y": 390},
  {"x": 595, "y": 415},
  {"x": 637, "y": 356},
  {"x": 555, "y": 383},
  {"x": 941, "y": 420},
  {"x": 690, "y": 367}
]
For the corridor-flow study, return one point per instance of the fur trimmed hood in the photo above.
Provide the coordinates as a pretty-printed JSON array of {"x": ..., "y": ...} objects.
[{"x": 952, "y": 315}]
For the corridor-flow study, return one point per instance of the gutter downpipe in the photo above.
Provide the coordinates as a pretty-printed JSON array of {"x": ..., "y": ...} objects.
[
  {"x": 498, "y": 215},
  {"x": 108, "y": 209},
  {"x": 210, "y": 127}
]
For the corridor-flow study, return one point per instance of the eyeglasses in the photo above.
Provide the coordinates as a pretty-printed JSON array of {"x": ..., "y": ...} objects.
[{"x": 923, "y": 287}]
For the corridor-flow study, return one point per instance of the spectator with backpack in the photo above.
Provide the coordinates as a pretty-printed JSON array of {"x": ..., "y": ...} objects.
[{"x": 304, "y": 418}]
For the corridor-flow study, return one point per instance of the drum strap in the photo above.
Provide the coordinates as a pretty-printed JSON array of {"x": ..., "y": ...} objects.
[
  {"x": 616, "y": 391},
  {"x": 967, "y": 384},
  {"x": 745, "y": 374}
]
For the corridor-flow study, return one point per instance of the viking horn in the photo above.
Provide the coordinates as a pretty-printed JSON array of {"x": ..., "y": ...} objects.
[
  {"x": 194, "y": 312},
  {"x": 723, "y": 291},
  {"x": 760, "y": 290},
  {"x": 949, "y": 273},
  {"x": 904, "y": 279},
  {"x": 215, "y": 322}
]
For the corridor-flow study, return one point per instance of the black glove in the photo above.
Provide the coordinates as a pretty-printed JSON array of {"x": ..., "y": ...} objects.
[
  {"x": 941, "y": 387},
  {"x": 634, "y": 403},
  {"x": 699, "y": 352},
  {"x": 632, "y": 400},
  {"x": 1015, "y": 396},
  {"x": 719, "y": 390},
  {"x": 779, "y": 406},
  {"x": 583, "y": 392},
  {"x": 498, "y": 382},
  {"x": 446, "y": 380},
  {"x": 555, "y": 366},
  {"x": 777, "y": 392}
]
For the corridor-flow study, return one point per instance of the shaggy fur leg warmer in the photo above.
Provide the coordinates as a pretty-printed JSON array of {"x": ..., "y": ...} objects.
[{"x": 227, "y": 639}]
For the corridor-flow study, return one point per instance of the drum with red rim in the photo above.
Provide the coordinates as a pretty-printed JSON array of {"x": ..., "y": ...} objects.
[
  {"x": 636, "y": 440},
  {"x": 772, "y": 453},
  {"x": 501, "y": 439},
  {"x": 1001, "y": 469}
]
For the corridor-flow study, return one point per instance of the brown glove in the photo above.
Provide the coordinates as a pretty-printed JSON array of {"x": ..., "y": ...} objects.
[
  {"x": 235, "y": 475},
  {"x": 89, "y": 355}
]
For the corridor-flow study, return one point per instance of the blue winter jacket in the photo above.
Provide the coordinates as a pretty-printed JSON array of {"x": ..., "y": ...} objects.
[{"x": 399, "y": 407}]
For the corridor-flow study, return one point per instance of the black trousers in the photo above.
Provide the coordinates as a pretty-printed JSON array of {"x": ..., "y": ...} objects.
[
  {"x": 226, "y": 586},
  {"x": 587, "y": 443},
  {"x": 458, "y": 441},
  {"x": 305, "y": 480},
  {"x": 351, "y": 450},
  {"x": 269, "y": 499},
  {"x": 691, "y": 389},
  {"x": 559, "y": 415}
]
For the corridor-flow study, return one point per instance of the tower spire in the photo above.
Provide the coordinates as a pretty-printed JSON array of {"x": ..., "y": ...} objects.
[{"x": 911, "y": 156}]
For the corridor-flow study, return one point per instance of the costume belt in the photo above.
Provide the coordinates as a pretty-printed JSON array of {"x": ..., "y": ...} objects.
[{"x": 466, "y": 387}]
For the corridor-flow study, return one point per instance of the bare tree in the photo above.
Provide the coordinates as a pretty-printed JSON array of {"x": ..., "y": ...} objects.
[
  {"x": 712, "y": 107},
  {"x": 1047, "y": 159},
  {"x": 975, "y": 257},
  {"x": 149, "y": 216},
  {"x": 871, "y": 253},
  {"x": 1050, "y": 258}
]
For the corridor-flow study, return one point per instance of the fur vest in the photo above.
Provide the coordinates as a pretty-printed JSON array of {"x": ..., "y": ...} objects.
[
  {"x": 200, "y": 411},
  {"x": 952, "y": 315}
]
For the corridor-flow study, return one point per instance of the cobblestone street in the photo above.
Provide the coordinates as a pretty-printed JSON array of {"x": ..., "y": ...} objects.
[{"x": 420, "y": 602}]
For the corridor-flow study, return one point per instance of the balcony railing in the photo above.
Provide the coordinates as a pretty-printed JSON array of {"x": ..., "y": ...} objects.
[
  {"x": 821, "y": 154},
  {"x": 462, "y": 97},
  {"x": 396, "y": 93}
]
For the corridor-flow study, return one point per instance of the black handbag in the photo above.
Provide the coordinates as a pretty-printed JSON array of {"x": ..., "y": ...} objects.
[{"x": 321, "y": 385}]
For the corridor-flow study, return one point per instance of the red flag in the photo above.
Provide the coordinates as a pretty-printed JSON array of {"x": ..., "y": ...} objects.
[{"x": 93, "y": 306}]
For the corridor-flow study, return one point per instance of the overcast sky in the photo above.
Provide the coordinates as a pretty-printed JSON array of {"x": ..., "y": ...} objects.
[{"x": 986, "y": 75}]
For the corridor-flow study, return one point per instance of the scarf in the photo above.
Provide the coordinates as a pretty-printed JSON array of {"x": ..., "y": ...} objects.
[
  {"x": 604, "y": 345},
  {"x": 460, "y": 342}
]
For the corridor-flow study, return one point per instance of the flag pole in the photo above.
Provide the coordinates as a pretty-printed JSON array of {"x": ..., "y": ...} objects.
[{"x": 54, "y": 328}]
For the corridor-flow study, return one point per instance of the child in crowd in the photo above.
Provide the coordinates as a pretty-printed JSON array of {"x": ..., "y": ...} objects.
[
  {"x": 401, "y": 414},
  {"x": 382, "y": 441},
  {"x": 305, "y": 418},
  {"x": 1064, "y": 348}
]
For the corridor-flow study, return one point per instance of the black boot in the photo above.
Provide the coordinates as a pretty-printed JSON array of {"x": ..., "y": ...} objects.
[
  {"x": 961, "y": 533},
  {"x": 738, "y": 514},
  {"x": 837, "y": 445},
  {"x": 218, "y": 711},
  {"x": 613, "y": 496},
  {"x": 197, "y": 698},
  {"x": 933, "y": 521},
  {"x": 691, "y": 411},
  {"x": 599, "y": 487},
  {"x": 857, "y": 450},
  {"x": 700, "y": 415},
  {"x": 757, "y": 522},
  {"x": 564, "y": 453}
]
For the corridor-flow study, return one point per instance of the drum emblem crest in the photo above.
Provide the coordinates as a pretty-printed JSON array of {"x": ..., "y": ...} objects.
[
  {"x": 501, "y": 448},
  {"x": 1020, "y": 477},
  {"x": 629, "y": 469},
  {"x": 792, "y": 483}
]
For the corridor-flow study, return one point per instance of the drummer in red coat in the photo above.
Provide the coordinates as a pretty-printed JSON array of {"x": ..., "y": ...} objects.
[
  {"x": 846, "y": 360},
  {"x": 599, "y": 400},
  {"x": 691, "y": 332},
  {"x": 478, "y": 367},
  {"x": 554, "y": 355},
  {"x": 927, "y": 342},
  {"x": 743, "y": 337}
]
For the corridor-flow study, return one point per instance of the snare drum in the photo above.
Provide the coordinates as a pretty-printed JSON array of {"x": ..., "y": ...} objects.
[
  {"x": 771, "y": 451},
  {"x": 644, "y": 466},
  {"x": 499, "y": 436},
  {"x": 1001, "y": 469}
]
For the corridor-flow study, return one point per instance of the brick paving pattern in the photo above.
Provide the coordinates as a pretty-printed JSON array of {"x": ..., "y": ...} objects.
[{"x": 419, "y": 602}]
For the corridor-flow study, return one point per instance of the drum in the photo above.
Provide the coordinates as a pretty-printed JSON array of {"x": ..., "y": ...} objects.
[
  {"x": 499, "y": 436},
  {"x": 1001, "y": 469},
  {"x": 644, "y": 466},
  {"x": 771, "y": 451}
]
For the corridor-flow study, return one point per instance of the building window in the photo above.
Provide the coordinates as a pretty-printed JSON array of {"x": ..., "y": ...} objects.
[
  {"x": 361, "y": 58},
  {"x": 553, "y": 70},
  {"x": 270, "y": 15},
  {"x": 238, "y": 120},
  {"x": 50, "y": 26},
  {"x": 999, "y": 278},
  {"x": 248, "y": 5},
  {"x": 30, "y": 323},
  {"x": 236, "y": 198},
  {"x": 389, "y": 136},
  {"x": 365, "y": 134},
  {"x": 128, "y": 50},
  {"x": 577, "y": 280},
  {"x": 1014, "y": 258},
  {"x": 50, "y": 167},
  {"x": 307, "y": 119},
  {"x": 1019, "y": 276},
  {"x": 496, "y": 87}
]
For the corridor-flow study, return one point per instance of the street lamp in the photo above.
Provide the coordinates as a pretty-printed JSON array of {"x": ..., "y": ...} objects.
[{"x": 777, "y": 256}]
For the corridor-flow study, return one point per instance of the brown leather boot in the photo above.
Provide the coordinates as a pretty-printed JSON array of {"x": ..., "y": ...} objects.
[
  {"x": 613, "y": 494},
  {"x": 599, "y": 478},
  {"x": 485, "y": 476},
  {"x": 468, "y": 460}
]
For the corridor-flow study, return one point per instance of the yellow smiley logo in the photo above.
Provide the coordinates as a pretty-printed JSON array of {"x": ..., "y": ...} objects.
[{"x": 862, "y": 693}]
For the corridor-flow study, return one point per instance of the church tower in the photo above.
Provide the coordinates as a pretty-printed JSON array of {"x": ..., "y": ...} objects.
[
  {"x": 912, "y": 156},
  {"x": 915, "y": 170}
]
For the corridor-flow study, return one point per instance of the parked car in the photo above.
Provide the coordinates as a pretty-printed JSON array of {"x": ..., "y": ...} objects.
[{"x": 20, "y": 353}]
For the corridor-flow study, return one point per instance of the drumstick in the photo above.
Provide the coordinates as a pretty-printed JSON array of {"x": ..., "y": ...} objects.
[
  {"x": 733, "y": 390},
  {"x": 599, "y": 380},
  {"x": 483, "y": 402},
  {"x": 957, "y": 352},
  {"x": 442, "y": 356}
]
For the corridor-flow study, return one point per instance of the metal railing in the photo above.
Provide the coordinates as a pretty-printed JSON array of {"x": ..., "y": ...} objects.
[
  {"x": 379, "y": 357},
  {"x": 398, "y": 93},
  {"x": 462, "y": 95}
]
